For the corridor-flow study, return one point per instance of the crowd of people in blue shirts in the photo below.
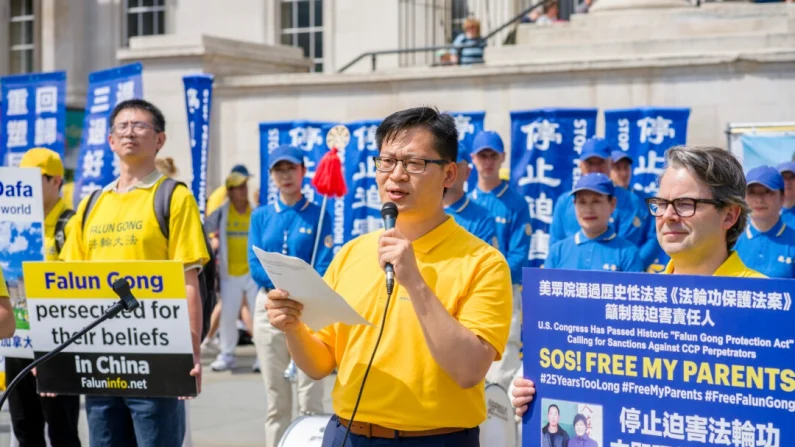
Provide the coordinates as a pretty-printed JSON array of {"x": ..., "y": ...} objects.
[{"x": 601, "y": 224}]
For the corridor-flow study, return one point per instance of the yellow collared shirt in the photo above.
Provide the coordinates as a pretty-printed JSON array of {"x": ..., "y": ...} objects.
[
  {"x": 732, "y": 266},
  {"x": 237, "y": 240},
  {"x": 406, "y": 389},
  {"x": 50, "y": 222},
  {"x": 122, "y": 226}
]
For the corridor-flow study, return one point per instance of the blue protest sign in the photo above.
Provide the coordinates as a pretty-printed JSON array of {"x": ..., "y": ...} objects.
[
  {"x": 198, "y": 97},
  {"x": 362, "y": 204},
  {"x": 97, "y": 165},
  {"x": 545, "y": 144},
  {"x": 645, "y": 134},
  {"x": 33, "y": 108},
  {"x": 635, "y": 360},
  {"x": 469, "y": 124}
]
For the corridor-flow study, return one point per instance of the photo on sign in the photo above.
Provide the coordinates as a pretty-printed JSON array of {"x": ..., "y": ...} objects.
[
  {"x": 571, "y": 423},
  {"x": 19, "y": 242}
]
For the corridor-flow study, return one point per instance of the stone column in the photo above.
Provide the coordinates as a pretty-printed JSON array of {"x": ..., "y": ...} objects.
[{"x": 620, "y": 5}]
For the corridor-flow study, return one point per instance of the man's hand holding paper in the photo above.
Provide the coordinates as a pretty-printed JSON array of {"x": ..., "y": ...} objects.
[{"x": 301, "y": 296}]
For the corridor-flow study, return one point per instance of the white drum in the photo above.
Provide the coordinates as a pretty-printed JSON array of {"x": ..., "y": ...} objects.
[
  {"x": 306, "y": 431},
  {"x": 499, "y": 429}
]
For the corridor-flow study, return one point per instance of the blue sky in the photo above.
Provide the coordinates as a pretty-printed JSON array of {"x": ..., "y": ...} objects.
[{"x": 19, "y": 242}]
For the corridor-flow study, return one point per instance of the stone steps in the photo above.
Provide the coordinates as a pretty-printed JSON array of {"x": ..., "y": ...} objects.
[{"x": 712, "y": 29}]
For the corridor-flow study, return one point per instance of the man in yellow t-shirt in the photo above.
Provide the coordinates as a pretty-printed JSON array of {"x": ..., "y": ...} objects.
[
  {"x": 228, "y": 228},
  {"x": 699, "y": 212},
  {"x": 447, "y": 320},
  {"x": 29, "y": 411},
  {"x": 122, "y": 226}
]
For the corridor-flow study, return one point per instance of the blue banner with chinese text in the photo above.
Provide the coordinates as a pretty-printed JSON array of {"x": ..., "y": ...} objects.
[
  {"x": 631, "y": 359},
  {"x": 309, "y": 136},
  {"x": 645, "y": 134},
  {"x": 359, "y": 212},
  {"x": 198, "y": 103},
  {"x": 33, "y": 108},
  {"x": 545, "y": 146},
  {"x": 97, "y": 165},
  {"x": 363, "y": 202},
  {"x": 469, "y": 124}
]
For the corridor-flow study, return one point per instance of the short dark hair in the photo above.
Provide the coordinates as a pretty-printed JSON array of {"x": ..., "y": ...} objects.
[
  {"x": 158, "y": 121},
  {"x": 441, "y": 125},
  {"x": 555, "y": 407},
  {"x": 579, "y": 417}
]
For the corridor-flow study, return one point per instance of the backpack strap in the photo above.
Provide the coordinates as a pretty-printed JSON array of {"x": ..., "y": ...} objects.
[
  {"x": 60, "y": 227},
  {"x": 162, "y": 203},
  {"x": 92, "y": 200}
]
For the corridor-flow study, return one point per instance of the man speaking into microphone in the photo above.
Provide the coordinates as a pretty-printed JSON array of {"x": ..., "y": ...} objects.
[{"x": 446, "y": 320}]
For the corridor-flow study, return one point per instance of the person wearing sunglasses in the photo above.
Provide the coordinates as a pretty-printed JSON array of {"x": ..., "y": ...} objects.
[{"x": 700, "y": 213}]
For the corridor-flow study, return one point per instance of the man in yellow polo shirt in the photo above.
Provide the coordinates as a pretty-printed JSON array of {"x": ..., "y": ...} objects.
[
  {"x": 448, "y": 317},
  {"x": 699, "y": 212},
  {"x": 122, "y": 226},
  {"x": 29, "y": 411}
]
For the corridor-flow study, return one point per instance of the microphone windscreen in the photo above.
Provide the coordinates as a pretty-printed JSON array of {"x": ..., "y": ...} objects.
[{"x": 389, "y": 209}]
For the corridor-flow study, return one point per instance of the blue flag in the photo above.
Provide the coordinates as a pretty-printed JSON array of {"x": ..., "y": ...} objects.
[
  {"x": 198, "y": 97},
  {"x": 469, "y": 124},
  {"x": 97, "y": 165},
  {"x": 545, "y": 146},
  {"x": 645, "y": 134},
  {"x": 34, "y": 114},
  {"x": 632, "y": 359}
]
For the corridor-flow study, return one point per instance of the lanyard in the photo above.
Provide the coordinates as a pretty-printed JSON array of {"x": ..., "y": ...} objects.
[{"x": 284, "y": 243}]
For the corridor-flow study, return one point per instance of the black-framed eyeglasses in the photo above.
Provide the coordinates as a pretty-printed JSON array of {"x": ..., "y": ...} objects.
[
  {"x": 683, "y": 206},
  {"x": 138, "y": 127},
  {"x": 411, "y": 165}
]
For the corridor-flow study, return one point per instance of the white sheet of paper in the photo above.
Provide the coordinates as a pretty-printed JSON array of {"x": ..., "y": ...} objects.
[{"x": 322, "y": 305}]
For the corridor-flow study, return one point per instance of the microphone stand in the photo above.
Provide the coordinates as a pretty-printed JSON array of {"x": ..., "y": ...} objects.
[{"x": 127, "y": 302}]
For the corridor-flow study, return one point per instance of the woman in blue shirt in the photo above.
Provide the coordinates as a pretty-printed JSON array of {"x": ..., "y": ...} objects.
[
  {"x": 288, "y": 226},
  {"x": 596, "y": 246}
]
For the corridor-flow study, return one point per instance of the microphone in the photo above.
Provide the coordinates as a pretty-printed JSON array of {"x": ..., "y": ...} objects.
[
  {"x": 389, "y": 213},
  {"x": 127, "y": 302},
  {"x": 122, "y": 288}
]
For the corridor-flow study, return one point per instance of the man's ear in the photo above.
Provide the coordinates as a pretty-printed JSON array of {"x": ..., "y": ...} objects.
[
  {"x": 732, "y": 214},
  {"x": 161, "y": 140},
  {"x": 450, "y": 172}
]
